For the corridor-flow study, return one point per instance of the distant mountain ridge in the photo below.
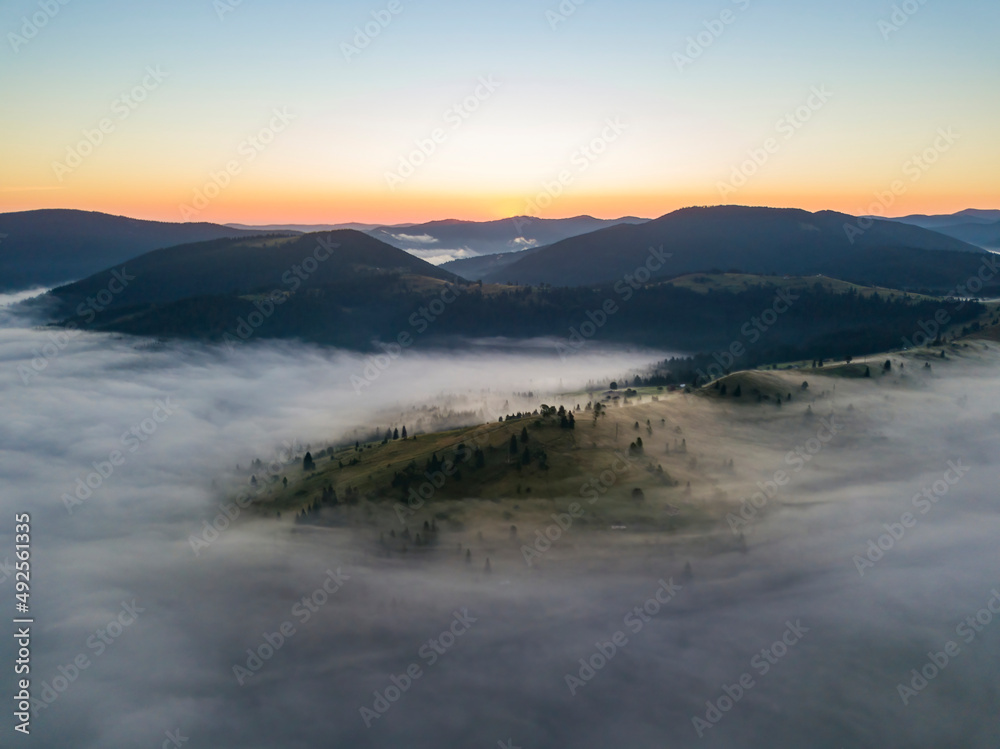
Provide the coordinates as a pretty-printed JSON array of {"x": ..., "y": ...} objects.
[
  {"x": 753, "y": 240},
  {"x": 49, "y": 246},
  {"x": 450, "y": 238},
  {"x": 975, "y": 226}
]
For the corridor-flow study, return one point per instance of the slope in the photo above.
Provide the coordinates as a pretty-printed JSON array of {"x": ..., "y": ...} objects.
[
  {"x": 54, "y": 246},
  {"x": 753, "y": 240}
]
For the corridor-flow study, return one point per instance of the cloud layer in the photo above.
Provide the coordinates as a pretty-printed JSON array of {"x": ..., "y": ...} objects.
[{"x": 193, "y": 412}]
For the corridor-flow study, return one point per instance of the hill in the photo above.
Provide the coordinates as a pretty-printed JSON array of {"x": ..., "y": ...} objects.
[
  {"x": 45, "y": 247},
  {"x": 185, "y": 290},
  {"x": 753, "y": 240},
  {"x": 667, "y": 462},
  {"x": 205, "y": 291}
]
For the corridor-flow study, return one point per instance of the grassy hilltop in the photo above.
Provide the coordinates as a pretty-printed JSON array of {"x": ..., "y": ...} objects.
[{"x": 702, "y": 453}]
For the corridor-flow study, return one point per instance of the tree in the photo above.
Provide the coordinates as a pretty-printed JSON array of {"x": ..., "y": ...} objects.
[
  {"x": 513, "y": 445},
  {"x": 395, "y": 434},
  {"x": 614, "y": 385},
  {"x": 404, "y": 432},
  {"x": 524, "y": 435},
  {"x": 887, "y": 366},
  {"x": 598, "y": 411},
  {"x": 738, "y": 392},
  {"x": 526, "y": 457},
  {"x": 307, "y": 463}
]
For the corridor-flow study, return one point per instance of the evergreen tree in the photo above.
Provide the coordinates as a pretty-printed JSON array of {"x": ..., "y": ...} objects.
[{"x": 307, "y": 463}]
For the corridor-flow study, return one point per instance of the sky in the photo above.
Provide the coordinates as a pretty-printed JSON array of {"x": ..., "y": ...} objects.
[{"x": 411, "y": 110}]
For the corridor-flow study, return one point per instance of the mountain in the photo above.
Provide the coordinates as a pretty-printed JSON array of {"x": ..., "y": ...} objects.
[
  {"x": 752, "y": 240},
  {"x": 978, "y": 227},
  {"x": 234, "y": 267},
  {"x": 347, "y": 289},
  {"x": 936, "y": 221},
  {"x": 451, "y": 238},
  {"x": 44, "y": 247},
  {"x": 986, "y": 236}
]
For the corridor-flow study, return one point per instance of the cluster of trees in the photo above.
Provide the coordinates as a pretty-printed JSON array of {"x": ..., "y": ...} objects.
[
  {"x": 327, "y": 498},
  {"x": 427, "y": 536},
  {"x": 392, "y": 434}
]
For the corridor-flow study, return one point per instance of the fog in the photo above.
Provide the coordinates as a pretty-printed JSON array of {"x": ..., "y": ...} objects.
[{"x": 186, "y": 619}]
